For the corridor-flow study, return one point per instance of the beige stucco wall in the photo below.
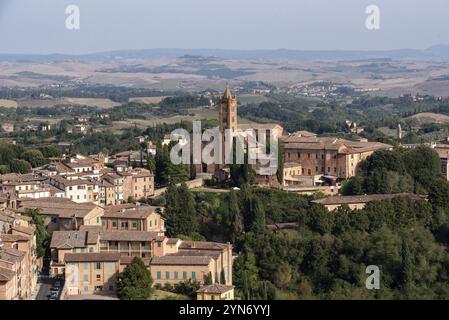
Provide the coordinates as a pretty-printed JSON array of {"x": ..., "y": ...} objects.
[{"x": 76, "y": 282}]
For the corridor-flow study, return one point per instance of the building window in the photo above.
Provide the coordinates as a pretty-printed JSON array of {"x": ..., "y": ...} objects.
[
  {"x": 111, "y": 265},
  {"x": 167, "y": 275},
  {"x": 193, "y": 275},
  {"x": 308, "y": 155},
  {"x": 85, "y": 266},
  {"x": 158, "y": 275},
  {"x": 184, "y": 275},
  {"x": 299, "y": 155},
  {"x": 135, "y": 225},
  {"x": 91, "y": 250},
  {"x": 85, "y": 277},
  {"x": 98, "y": 276},
  {"x": 86, "y": 288},
  {"x": 98, "y": 266},
  {"x": 114, "y": 224},
  {"x": 124, "y": 225},
  {"x": 175, "y": 275}
]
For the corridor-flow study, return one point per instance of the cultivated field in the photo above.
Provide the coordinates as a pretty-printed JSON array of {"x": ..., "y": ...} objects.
[
  {"x": 100, "y": 103},
  {"x": 146, "y": 100},
  {"x": 429, "y": 117},
  {"x": 8, "y": 103}
]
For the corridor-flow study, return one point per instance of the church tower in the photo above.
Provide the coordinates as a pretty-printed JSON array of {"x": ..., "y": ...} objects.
[{"x": 228, "y": 111}]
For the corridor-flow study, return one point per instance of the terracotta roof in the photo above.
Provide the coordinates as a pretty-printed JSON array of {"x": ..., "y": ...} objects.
[
  {"x": 193, "y": 253},
  {"x": 27, "y": 230},
  {"x": 137, "y": 213},
  {"x": 68, "y": 239},
  {"x": 6, "y": 218},
  {"x": 172, "y": 241},
  {"x": 119, "y": 207},
  {"x": 181, "y": 260},
  {"x": 92, "y": 257},
  {"x": 443, "y": 152},
  {"x": 15, "y": 237},
  {"x": 215, "y": 288},
  {"x": 11, "y": 255},
  {"x": 71, "y": 182},
  {"x": 62, "y": 207},
  {"x": 80, "y": 163},
  {"x": 332, "y": 143},
  {"x": 227, "y": 93},
  {"x": 336, "y": 200},
  {"x": 202, "y": 245},
  {"x": 6, "y": 274}
]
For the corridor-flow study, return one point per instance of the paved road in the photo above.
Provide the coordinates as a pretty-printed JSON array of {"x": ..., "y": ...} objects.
[{"x": 44, "y": 290}]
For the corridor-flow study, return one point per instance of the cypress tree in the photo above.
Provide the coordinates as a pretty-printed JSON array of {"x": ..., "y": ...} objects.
[{"x": 236, "y": 219}]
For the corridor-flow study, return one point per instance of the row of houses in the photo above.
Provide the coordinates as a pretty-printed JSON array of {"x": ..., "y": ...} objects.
[
  {"x": 90, "y": 245},
  {"x": 18, "y": 261},
  {"x": 82, "y": 180}
]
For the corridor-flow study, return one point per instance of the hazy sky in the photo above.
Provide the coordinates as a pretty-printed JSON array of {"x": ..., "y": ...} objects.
[{"x": 38, "y": 26}]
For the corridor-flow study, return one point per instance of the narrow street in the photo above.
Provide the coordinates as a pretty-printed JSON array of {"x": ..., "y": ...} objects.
[{"x": 44, "y": 290}]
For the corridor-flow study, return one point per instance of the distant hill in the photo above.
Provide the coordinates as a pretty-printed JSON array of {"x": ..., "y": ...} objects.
[
  {"x": 429, "y": 117},
  {"x": 437, "y": 52}
]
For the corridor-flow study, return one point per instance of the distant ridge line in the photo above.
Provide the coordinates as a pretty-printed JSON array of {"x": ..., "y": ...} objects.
[{"x": 438, "y": 52}]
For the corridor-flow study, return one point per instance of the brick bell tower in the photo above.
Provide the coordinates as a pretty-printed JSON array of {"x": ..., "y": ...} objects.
[
  {"x": 228, "y": 111},
  {"x": 228, "y": 118}
]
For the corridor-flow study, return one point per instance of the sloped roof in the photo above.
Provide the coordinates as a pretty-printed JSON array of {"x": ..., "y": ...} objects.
[
  {"x": 6, "y": 274},
  {"x": 61, "y": 207},
  {"x": 202, "y": 245},
  {"x": 181, "y": 260},
  {"x": 92, "y": 257},
  {"x": 68, "y": 239}
]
